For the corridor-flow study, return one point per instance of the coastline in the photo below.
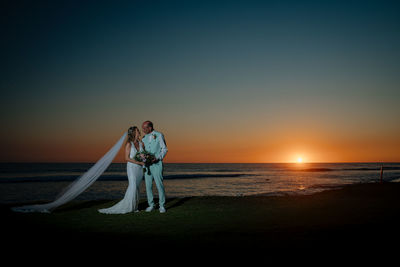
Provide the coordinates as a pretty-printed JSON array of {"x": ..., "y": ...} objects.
[{"x": 362, "y": 216}]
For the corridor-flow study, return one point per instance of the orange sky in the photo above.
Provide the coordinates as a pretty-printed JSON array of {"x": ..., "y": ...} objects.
[
  {"x": 248, "y": 81},
  {"x": 220, "y": 146}
]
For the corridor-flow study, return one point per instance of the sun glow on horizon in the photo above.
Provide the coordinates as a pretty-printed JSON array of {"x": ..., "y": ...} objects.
[{"x": 299, "y": 160}]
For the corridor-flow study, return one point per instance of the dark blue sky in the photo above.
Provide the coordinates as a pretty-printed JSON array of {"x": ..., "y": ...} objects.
[{"x": 95, "y": 67}]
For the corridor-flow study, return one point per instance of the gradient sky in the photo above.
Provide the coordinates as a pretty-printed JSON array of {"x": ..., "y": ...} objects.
[{"x": 225, "y": 81}]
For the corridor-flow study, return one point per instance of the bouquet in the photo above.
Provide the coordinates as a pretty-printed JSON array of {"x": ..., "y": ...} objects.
[{"x": 147, "y": 158}]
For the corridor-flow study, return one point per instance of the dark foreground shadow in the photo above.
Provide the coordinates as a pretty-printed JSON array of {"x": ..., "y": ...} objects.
[{"x": 174, "y": 203}]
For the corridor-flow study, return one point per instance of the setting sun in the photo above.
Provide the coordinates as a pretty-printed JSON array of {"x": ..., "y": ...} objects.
[{"x": 299, "y": 160}]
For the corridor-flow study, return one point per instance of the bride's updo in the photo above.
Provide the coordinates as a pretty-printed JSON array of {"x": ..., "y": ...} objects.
[{"x": 132, "y": 133}]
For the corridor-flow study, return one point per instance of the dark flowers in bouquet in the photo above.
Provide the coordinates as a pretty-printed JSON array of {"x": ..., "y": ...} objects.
[{"x": 147, "y": 158}]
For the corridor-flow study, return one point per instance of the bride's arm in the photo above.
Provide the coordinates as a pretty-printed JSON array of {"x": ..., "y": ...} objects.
[{"x": 127, "y": 152}]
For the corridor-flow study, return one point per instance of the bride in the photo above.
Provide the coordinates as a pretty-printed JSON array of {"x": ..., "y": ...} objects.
[{"x": 135, "y": 175}]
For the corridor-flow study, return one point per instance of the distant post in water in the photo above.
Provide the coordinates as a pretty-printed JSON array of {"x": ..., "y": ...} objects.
[{"x": 381, "y": 173}]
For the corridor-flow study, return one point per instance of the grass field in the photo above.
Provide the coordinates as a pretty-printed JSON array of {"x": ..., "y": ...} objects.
[{"x": 364, "y": 216}]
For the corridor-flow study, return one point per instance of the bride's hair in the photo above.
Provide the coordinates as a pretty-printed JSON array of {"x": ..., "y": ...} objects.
[{"x": 131, "y": 133}]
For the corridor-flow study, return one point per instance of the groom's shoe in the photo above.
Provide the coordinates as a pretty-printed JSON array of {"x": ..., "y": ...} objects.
[
  {"x": 150, "y": 208},
  {"x": 163, "y": 210}
]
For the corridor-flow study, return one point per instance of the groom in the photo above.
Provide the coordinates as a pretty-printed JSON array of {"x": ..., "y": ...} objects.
[{"x": 154, "y": 143}]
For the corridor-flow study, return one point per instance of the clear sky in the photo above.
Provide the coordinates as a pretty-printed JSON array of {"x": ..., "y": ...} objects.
[{"x": 225, "y": 81}]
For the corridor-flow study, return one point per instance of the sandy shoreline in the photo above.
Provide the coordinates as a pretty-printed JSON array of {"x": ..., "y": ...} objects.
[{"x": 358, "y": 216}]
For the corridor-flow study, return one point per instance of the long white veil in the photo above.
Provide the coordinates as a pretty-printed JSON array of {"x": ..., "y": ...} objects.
[{"x": 80, "y": 184}]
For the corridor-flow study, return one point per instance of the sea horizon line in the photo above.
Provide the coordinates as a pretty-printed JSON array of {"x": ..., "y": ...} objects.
[{"x": 297, "y": 163}]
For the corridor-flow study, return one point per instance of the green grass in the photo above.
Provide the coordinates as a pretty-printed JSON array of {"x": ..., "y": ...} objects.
[{"x": 357, "y": 214}]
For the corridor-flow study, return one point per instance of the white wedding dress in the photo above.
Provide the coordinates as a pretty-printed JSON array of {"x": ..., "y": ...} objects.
[
  {"x": 79, "y": 185},
  {"x": 130, "y": 201},
  {"x": 135, "y": 176}
]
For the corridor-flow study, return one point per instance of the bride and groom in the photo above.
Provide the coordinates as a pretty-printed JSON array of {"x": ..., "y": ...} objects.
[{"x": 154, "y": 143}]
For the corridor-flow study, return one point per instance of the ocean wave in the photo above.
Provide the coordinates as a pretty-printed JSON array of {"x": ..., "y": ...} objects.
[
  {"x": 193, "y": 176},
  {"x": 114, "y": 177},
  {"x": 348, "y": 169},
  {"x": 327, "y": 186},
  {"x": 361, "y": 169},
  {"x": 315, "y": 170},
  {"x": 59, "y": 178},
  {"x": 228, "y": 170},
  {"x": 388, "y": 168}
]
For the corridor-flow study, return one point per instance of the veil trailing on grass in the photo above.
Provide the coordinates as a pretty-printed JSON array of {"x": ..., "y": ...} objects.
[{"x": 79, "y": 185}]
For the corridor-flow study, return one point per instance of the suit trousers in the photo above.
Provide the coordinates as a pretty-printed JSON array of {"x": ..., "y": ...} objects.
[{"x": 156, "y": 170}]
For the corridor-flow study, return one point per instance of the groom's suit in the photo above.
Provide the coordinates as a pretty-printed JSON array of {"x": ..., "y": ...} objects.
[{"x": 154, "y": 142}]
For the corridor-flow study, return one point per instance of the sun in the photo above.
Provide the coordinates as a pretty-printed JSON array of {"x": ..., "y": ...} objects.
[{"x": 299, "y": 160}]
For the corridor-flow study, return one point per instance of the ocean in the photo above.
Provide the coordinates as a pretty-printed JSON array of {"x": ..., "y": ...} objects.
[{"x": 30, "y": 182}]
